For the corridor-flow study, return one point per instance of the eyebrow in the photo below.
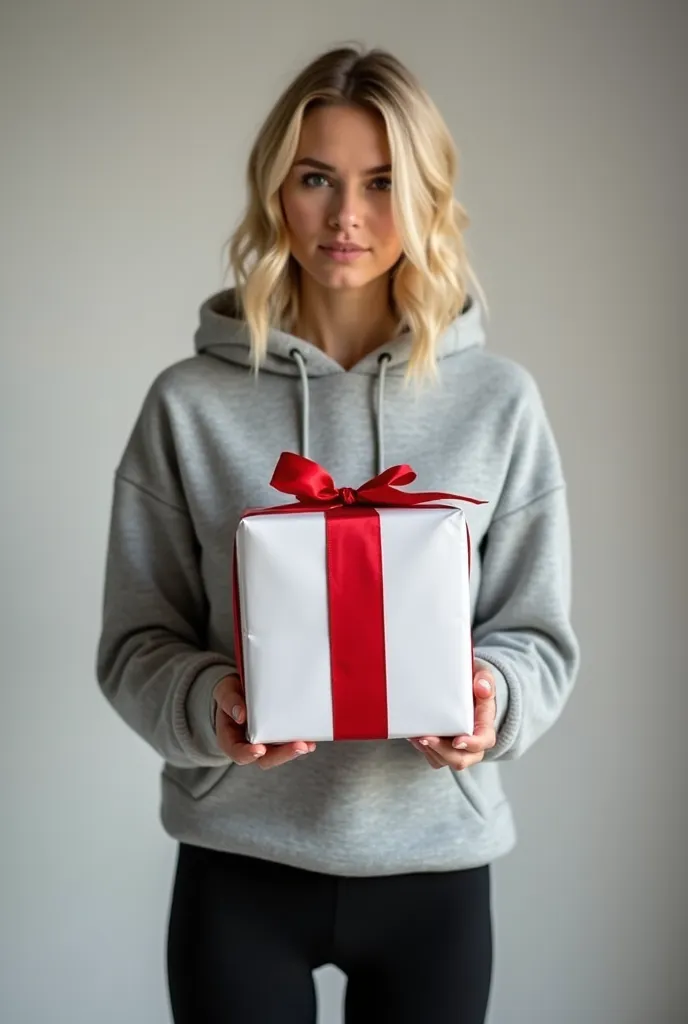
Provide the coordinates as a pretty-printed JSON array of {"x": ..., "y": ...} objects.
[{"x": 309, "y": 161}]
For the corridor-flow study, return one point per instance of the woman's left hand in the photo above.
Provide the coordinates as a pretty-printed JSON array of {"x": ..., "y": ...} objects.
[{"x": 464, "y": 751}]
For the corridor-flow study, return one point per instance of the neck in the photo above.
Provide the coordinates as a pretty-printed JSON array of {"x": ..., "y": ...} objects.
[{"x": 345, "y": 324}]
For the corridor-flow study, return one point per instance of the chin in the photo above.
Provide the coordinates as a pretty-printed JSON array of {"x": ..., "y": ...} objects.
[
  {"x": 341, "y": 282},
  {"x": 341, "y": 278}
]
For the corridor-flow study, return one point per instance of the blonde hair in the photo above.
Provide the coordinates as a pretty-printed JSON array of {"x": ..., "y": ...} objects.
[{"x": 429, "y": 285}]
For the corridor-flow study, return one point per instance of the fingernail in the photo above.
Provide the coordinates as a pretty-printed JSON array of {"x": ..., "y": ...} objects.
[
  {"x": 424, "y": 743},
  {"x": 237, "y": 711},
  {"x": 259, "y": 752},
  {"x": 300, "y": 753},
  {"x": 486, "y": 685},
  {"x": 460, "y": 745}
]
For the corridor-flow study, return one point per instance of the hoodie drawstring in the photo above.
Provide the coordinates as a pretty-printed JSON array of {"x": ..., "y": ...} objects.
[
  {"x": 383, "y": 363},
  {"x": 305, "y": 401}
]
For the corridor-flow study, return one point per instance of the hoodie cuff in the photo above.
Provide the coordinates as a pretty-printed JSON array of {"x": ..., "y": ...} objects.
[
  {"x": 200, "y": 708},
  {"x": 501, "y": 689}
]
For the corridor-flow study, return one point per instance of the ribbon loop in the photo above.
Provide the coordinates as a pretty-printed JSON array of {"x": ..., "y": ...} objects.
[{"x": 308, "y": 482}]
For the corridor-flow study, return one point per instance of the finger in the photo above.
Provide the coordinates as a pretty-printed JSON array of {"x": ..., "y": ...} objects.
[
  {"x": 485, "y": 716},
  {"x": 232, "y": 704},
  {"x": 483, "y": 685},
  {"x": 281, "y": 753},
  {"x": 469, "y": 744},
  {"x": 232, "y": 741},
  {"x": 436, "y": 761},
  {"x": 432, "y": 747},
  {"x": 441, "y": 748},
  {"x": 484, "y": 738},
  {"x": 483, "y": 688},
  {"x": 484, "y": 733},
  {"x": 430, "y": 756},
  {"x": 244, "y": 753},
  {"x": 457, "y": 758},
  {"x": 466, "y": 761}
]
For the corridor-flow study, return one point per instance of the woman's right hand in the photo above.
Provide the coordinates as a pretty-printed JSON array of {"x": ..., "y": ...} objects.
[{"x": 230, "y": 729}]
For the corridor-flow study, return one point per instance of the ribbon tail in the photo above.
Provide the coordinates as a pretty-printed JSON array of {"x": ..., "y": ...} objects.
[{"x": 407, "y": 499}]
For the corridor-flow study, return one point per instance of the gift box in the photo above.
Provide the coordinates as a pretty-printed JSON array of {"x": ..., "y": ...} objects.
[{"x": 352, "y": 610}]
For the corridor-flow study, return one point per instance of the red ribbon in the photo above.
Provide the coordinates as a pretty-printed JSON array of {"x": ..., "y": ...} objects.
[
  {"x": 311, "y": 485},
  {"x": 358, "y": 669},
  {"x": 354, "y": 582}
]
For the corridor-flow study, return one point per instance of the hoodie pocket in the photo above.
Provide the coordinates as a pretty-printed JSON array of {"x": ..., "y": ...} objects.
[
  {"x": 471, "y": 793},
  {"x": 197, "y": 783}
]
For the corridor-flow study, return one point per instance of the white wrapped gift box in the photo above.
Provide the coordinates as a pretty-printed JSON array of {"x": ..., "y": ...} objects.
[{"x": 353, "y": 621}]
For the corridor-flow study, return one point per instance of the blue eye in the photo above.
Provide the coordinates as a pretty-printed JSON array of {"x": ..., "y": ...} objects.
[
  {"x": 382, "y": 184},
  {"x": 314, "y": 180}
]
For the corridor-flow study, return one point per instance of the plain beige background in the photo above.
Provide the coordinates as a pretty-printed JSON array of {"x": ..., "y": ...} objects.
[{"x": 125, "y": 128}]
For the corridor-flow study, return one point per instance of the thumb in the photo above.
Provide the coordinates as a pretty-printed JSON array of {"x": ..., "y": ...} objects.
[
  {"x": 483, "y": 684},
  {"x": 485, "y": 707},
  {"x": 230, "y": 699}
]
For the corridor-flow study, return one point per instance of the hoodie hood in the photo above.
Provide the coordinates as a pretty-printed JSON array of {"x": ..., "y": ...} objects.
[{"x": 222, "y": 333}]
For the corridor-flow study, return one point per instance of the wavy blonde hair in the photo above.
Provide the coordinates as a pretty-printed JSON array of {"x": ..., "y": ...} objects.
[{"x": 429, "y": 285}]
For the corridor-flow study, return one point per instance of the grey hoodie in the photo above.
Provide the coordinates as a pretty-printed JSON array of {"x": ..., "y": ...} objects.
[{"x": 203, "y": 450}]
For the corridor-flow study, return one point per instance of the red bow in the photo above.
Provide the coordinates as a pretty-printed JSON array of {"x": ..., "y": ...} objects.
[{"x": 310, "y": 484}]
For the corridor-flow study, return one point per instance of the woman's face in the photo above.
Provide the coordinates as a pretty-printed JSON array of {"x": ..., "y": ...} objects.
[{"x": 337, "y": 199}]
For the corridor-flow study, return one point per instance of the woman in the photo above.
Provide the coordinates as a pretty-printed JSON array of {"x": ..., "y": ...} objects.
[{"x": 351, "y": 278}]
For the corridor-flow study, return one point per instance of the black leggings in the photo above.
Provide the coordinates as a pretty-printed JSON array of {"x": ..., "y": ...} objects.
[{"x": 246, "y": 934}]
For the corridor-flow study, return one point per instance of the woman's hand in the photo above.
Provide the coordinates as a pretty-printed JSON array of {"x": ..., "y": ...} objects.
[
  {"x": 464, "y": 751},
  {"x": 230, "y": 729}
]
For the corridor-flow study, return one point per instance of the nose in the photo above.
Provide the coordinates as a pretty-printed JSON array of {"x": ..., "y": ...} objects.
[{"x": 345, "y": 211}]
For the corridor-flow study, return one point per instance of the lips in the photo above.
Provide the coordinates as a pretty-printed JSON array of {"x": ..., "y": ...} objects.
[
  {"x": 343, "y": 247},
  {"x": 343, "y": 252}
]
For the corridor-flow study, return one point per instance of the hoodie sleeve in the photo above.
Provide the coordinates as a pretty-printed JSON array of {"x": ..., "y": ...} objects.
[
  {"x": 522, "y": 628},
  {"x": 152, "y": 661}
]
